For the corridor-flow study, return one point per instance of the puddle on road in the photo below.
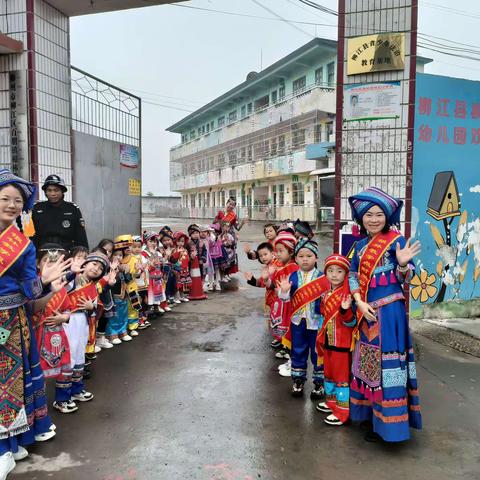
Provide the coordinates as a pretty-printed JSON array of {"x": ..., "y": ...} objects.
[
  {"x": 39, "y": 463},
  {"x": 214, "y": 347}
]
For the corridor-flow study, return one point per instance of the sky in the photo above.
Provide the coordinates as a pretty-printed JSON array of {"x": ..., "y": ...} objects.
[{"x": 182, "y": 58}]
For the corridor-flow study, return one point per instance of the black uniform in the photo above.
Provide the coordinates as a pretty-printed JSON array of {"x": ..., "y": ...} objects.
[{"x": 59, "y": 223}]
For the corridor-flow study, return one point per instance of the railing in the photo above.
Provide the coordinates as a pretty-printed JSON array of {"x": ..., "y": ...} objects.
[
  {"x": 103, "y": 110},
  {"x": 309, "y": 88}
]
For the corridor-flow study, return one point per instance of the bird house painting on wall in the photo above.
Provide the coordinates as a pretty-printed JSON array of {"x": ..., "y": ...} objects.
[{"x": 444, "y": 201}]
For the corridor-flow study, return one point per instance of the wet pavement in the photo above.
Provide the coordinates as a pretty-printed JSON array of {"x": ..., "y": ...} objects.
[{"x": 198, "y": 396}]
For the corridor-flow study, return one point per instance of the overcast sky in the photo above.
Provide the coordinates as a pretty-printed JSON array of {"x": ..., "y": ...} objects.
[{"x": 182, "y": 58}]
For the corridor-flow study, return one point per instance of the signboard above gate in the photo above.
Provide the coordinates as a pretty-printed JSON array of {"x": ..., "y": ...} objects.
[{"x": 376, "y": 53}]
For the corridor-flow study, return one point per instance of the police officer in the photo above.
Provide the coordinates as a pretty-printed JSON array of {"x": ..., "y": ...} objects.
[{"x": 58, "y": 221}]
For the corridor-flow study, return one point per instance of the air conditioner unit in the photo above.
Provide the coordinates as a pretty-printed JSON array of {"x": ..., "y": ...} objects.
[{"x": 331, "y": 138}]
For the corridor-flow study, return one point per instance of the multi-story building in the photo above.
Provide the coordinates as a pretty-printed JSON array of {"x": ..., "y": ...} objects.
[{"x": 268, "y": 142}]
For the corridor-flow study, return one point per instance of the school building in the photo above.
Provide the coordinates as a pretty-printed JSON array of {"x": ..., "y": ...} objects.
[{"x": 269, "y": 142}]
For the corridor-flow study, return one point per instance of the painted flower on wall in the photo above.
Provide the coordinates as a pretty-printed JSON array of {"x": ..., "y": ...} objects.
[{"x": 422, "y": 286}]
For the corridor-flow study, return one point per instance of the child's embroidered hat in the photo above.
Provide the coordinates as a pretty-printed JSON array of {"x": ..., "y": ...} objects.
[
  {"x": 178, "y": 235},
  {"x": 137, "y": 239},
  {"x": 339, "y": 261},
  {"x": 122, "y": 242},
  {"x": 286, "y": 238},
  {"x": 150, "y": 236},
  {"x": 306, "y": 243},
  {"x": 303, "y": 228},
  {"x": 193, "y": 228}
]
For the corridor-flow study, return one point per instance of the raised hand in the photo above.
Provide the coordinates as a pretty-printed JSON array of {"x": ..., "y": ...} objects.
[
  {"x": 265, "y": 274},
  {"x": 284, "y": 284},
  {"x": 247, "y": 248},
  {"x": 346, "y": 302},
  {"x": 248, "y": 276},
  {"x": 54, "y": 270},
  {"x": 58, "y": 284},
  {"x": 407, "y": 253}
]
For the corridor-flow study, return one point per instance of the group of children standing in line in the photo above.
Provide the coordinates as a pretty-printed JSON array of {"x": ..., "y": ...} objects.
[
  {"x": 350, "y": 319},
  {"x": 112, "y": 292}
]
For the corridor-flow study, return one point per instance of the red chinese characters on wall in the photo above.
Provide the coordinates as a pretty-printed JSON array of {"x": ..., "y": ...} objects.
[{"x": 448, "y": 108}]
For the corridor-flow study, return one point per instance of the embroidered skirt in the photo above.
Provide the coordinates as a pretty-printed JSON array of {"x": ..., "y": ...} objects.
[{"x": 384, "y": 384}]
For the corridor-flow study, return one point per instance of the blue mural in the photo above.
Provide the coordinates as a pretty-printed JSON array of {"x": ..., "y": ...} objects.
[{"x": 446, "y": 190}]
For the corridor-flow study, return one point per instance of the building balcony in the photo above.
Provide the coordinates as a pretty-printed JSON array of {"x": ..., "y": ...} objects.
[
  {"x": 294, "y": 163},
  {"x": 310, "y": 99}
]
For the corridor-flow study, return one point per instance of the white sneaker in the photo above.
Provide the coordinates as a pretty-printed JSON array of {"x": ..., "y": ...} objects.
[
  {"x": 210, "y": 287},
  {"x": 7, "y": 464},
  {"x": 185, "y": 299},
  {"x": 161, "y": 310},
  {"x": 115, "y": 341},
  {"x": 167, "y": 309},
  {"x": 20, "y": 454},
  {"x": 217, "y": 287},
  {"x": 205, "y": 287},
  {"x": 177, "y": 301},
  {"x": 133, "y": 333},
  {"x": 43, "y": 437},
  {"x": 126, "y": 338},
  {"x": 287, "y": 364},
  {"x": 65, "y": 407},
  {"x": 102, "y": 342},
  {"x": 83, "y": 396},
  {"x": 97, "y": 349}
]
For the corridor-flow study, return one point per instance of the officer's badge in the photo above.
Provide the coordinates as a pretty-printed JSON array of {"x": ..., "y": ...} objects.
[
  {"x": 82, "y": 222},
  {"x": 65, "y": 223}
]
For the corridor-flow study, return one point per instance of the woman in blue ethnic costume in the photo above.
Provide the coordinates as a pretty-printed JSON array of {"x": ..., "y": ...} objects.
[
  {"x": 384, "y": 391},
  {"x": 23, "y": 406}
]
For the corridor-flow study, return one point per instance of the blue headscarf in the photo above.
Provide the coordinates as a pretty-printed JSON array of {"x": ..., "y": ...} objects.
[
  {"x": 306, "y": 243},
  {"x": 364, "y": 201},
  {"x": 28, "y": 189}
]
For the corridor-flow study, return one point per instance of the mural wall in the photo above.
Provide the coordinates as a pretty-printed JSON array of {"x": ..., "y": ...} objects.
[{"x": 446, "y": 191}]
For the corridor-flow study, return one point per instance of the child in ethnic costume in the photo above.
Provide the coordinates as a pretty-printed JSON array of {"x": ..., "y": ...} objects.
[
  {"x": 270, "y": 232},
  {"x": 208, "y": 269},
  {"x": 83, "y": 293},
  {"x": 106, "y": 298},
  {"x": 51, "y": 337},
  {"x": 181, "y": 257},
  {"x": 335, "y": 339},
  {"x": 117, "y": 326},
  {"x": 303, "y": 230},
  {"x": 229, "y": 247},
  {"x": 284, "y": 245},
  {"x": 200, "y": 248},
  {"x": 141, "y": 279},
  {"x": 302, "y": 290},
  {"x": 384, "y": 388},
  {"x": 166, "y": 239},
  {"x": 134, "y": 270},
  {"x": 153, "y": 264},
  {"x": 218, "y": 256}
]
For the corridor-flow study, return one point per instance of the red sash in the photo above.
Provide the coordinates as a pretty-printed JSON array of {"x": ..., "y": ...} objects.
[
  {"x": 52, "y": 341},
  {"x": 331, "y": 308},
  {"x": 277, "y": 306},
  {"x": 89, "y": 292},
  {"x": 310, "y": 292},
  {"x": 12, "y": 244},
  {"x": 374, "y": 252}
]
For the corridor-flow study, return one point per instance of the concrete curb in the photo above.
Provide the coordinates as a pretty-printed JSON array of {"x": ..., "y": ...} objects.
[{"x": 446, "y": 336}]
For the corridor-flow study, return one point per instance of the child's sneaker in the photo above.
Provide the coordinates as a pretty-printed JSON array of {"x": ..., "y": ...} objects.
[
  {"x": 133, "y": 333},
  {"x": 20, "y": 454},
  {"x": 184, "y": 299},
  {"x": 317, "y": 392},
  {"x": 43, "y": 437},
  {"x": 142, "y": 325},
  {"x": 168, "y": 309},
  {"x": 285, "y": 370},
  {"x": 276, "y": 344},
  {"x": 210, "y": 287},
  {"x": 323, "y": 407},
  {"x": 297, "y": 388},
  {"x": 102, "y": 342},
  {"x": 83, "y": 396},
  {"x": 333, "y": 420},
  {"x": 282, "y": 353},
  {"x": 147, "y": 323},
  {"x": 64, "y": 407},
  {"x": 97, "y": 349},
  {"x": 177, "y": 301},
  {"x": 116, "y": 341},
  {"x": 217, "y": 287},
  {"x": 161, "y": 310},
  {"x": 126, "y": 338}
]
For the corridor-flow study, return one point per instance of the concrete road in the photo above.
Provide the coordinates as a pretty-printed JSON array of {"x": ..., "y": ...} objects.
[{"x": 197, "y": 396}]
